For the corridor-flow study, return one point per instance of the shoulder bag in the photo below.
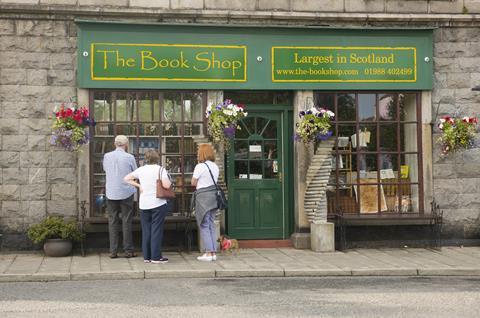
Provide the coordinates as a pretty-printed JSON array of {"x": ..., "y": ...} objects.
[
  {"x": 162, "y": 192},
  {"x": 222, "y": 203}
]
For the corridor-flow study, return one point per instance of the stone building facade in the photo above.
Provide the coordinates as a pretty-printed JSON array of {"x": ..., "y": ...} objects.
[{"x": 38, "y": 52}]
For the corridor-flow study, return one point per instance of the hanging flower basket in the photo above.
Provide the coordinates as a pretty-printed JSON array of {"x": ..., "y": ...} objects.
[
  {"x": 457, "y": 134},
  {"x": 222, "y": 121},
  {"x": 70, "y": 127},
  {"x": 314, "y": 125}
]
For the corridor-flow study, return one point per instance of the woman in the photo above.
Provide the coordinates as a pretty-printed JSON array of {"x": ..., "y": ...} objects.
[
  {"x": 152, "y": 209},
  {"x": 205, "y": 176}
]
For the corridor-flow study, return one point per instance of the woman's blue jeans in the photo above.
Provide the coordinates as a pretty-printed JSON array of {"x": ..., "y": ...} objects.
[
  {"x": 208, "y": 232},
  {"x": 152, "y": 232}
]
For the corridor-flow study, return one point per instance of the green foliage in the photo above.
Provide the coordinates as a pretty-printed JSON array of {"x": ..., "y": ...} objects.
[
  {"x": 457, "y": 133},
  {"x": 54, "y": 227}
]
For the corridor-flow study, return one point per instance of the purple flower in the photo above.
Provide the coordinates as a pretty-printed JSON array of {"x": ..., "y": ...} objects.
[
  {"x": 301, "y": 114},
  {"x": 229, "y": 131},
  {"x": 309, "y": 112}
]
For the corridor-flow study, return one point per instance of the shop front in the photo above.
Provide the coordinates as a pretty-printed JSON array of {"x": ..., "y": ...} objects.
[{"x": 153, "y": 83}]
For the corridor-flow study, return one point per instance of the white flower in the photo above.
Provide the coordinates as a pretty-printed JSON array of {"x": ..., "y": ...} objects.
[
  {"x": 228, "y": 112},
  {"x": 209, "y": 107},
  {"x": 330, "y": 113},
  {"x": 466, "y": 118},
  {"x": 440, "y": 125},
  {"x": 442, "y": 120}
]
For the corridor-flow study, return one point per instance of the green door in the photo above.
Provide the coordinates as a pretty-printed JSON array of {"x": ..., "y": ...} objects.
[{"x": 255, "y": 167}]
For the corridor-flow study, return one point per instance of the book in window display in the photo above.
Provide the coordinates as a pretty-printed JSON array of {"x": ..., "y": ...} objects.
[{"x": 369, "y": 196}]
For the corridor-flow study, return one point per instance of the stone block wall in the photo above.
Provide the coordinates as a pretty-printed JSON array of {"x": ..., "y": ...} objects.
[
  {"x": 37, "y": 72},
  {"x": 457, "y": 176},
  {"x": 38, "y": 65}
]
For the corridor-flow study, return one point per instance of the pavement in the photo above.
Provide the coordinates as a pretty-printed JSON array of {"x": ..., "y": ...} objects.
[{"x": 259, "y": 262}]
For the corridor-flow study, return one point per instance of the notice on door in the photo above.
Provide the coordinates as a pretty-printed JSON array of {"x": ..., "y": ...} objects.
[{"x": 344, "y": 64}]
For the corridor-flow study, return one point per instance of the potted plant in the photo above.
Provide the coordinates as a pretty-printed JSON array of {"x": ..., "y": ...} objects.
[
  {"x": 457, "y": 133},
  {"x": 56, "y": 234}
]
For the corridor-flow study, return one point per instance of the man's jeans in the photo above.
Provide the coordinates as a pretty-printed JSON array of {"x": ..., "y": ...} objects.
[
  {"x": 120, "y": 211},
  {"x": 152, "y": 232}
]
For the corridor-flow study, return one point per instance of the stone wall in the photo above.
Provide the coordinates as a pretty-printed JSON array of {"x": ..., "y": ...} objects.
[
  {"x": 457, "y": 176},
  {"x": 37, "y": 72}
]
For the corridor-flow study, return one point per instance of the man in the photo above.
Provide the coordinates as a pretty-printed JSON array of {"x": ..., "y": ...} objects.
[{"x": 117, "y": 164}]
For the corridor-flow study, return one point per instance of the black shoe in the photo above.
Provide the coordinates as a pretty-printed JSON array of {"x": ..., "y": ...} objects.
[
  {"x": 113, "y": 255},
  {"x": 162, "y": 260},
  {"x": 130, "y": 254}
]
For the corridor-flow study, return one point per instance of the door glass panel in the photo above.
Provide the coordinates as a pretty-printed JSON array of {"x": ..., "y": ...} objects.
[
  {"x": 270, "y": 149},
  {"x": 241, "y": 169},
  {"x": 256, "y": 171},
  {"x": 261, "y": 125},
  {"x": 255, "y": 149},
  {"x": 270, "y": 130},
  {"x": 241, "y": 149},
  {"x": 271, "y": 169}
]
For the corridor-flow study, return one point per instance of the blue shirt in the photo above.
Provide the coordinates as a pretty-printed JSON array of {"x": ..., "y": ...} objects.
[{"x": 117, "y": 164}]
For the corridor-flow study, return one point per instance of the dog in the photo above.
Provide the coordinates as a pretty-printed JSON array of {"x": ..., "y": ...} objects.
[{"x": 228, "y": 245}]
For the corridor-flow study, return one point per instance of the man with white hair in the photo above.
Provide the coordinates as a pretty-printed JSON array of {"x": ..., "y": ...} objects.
[{"x": 117, "y": 164}]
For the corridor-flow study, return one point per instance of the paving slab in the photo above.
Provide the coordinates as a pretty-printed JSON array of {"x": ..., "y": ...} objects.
[
  {"x": 108, "y": 275},
  {"x": 6, "y": 261},
  {"x": 25, "y": 264},
  {"x": 59, "y": 265}
]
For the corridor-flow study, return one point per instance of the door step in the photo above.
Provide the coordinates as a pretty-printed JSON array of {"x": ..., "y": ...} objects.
[{"x": 265, "y": 243}]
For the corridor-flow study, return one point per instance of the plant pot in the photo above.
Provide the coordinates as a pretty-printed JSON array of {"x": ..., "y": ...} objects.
[{"x": 57, "y": 247}]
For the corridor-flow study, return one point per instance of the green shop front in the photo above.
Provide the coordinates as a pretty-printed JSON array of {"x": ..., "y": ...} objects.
[{"x": 153, "y": 83}]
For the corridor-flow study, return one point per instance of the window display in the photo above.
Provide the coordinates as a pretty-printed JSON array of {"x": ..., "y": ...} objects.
[
  {"x": 376, "y": 158},
  {"x": 169, "y": 122}
]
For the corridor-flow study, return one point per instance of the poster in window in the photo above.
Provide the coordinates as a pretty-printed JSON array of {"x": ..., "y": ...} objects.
[{"x": 369, "y": 196}]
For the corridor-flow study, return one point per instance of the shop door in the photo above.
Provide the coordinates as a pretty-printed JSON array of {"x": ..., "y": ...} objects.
[{"x": 255, "y": 170}]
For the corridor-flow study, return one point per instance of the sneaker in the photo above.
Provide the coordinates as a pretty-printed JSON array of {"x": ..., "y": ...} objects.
[
  {"x": 162, "y": 260},
  {"x": 130, "y": 254},
  {"x": 113, "y": 255},
  {"x": 146, "y": 261},
  {"x": 205, "y": 258},
  {"x": 214, "y": 257}
]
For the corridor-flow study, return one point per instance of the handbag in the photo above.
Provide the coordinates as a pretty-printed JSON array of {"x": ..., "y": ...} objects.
[
  {"x": 162, "y": 192},
  {"x": 222, "y": 202}
]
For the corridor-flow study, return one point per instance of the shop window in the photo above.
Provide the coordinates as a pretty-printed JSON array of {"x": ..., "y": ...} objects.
[
  {"x": 376, "y": 160},
  {"x": 169, "y": 122}
]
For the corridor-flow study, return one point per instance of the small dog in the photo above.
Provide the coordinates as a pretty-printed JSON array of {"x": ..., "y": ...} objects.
[{"x": 228, "y": 245}]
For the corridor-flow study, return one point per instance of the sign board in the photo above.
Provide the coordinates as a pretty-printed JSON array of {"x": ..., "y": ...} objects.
[
  {"x": 167, "y": 62},
  {"x": 115, "y": 55},
  {"x": 344, "y": 64}
]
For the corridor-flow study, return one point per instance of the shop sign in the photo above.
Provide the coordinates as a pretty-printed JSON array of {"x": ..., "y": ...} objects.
[
  {"x": 343, "y": 64},
  {"x": 168, "y": 62}
]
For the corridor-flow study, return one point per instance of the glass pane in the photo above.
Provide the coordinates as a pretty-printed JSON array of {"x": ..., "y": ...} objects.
[
  {"x": 366, "y": 107},
  {"x": 387, "y": 161},
  {"x": 126, "y": 129},
  {"x": 193, "y": 130},
  {"x": 270, "y": 131},
  {"x": 270, "y": 149},
  {"x": 241, "y": 149},
  {"x": 189, "y": 146},
  {"x": 148, "y": 107},
  {"x": 367, "y": 163},
  {"x": 247, "y": 127},
  {"x": 256, "y": 169},
  {"x": 173, "y": 164},
  {"x": 104, "y": 129},
  {"x": 102, "y": 145},
  {"x": 170, "y": 129},
  {"x": 370, "y": 196},
  {"x": 172, "y": 110},
  {"x": 193, "y": 106},
  {"x": 144, "y": 145},
  {"x": 408, "y": 107},
  {"x": 261, "y": 125},
  {"x": 102, "y": 107},
  {"x": 172, "y": 145},
  {"x": 125, "y": 107},
  {"x": 271, "y": 169},
  {"x": 99, "y": 208},
  {"x": 346, "y": 107},
  {"x": 388, "y": 137},
  {"x": 325, "y": 100},
  {"x": 347, "y": 136},
  {"x": 409, "y": 167},
  {"x": 408, "y": 135},
  {"x": 241, "y": 169},
  {"x": 367, "y": 138},
  {"x": 255, "y": 149},
  {"x": 149, "y": 129},
  {"x": 189, "y": 164},
  {"x": 387, "y": 106}
]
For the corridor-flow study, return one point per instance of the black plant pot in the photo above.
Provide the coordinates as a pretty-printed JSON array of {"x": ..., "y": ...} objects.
[{"x": 57, "y": 247}]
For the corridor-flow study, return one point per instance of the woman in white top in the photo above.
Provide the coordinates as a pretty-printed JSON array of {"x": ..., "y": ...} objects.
[
  {"x": 205, "y": 175},
  {"x": 152, "y": 209}
]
